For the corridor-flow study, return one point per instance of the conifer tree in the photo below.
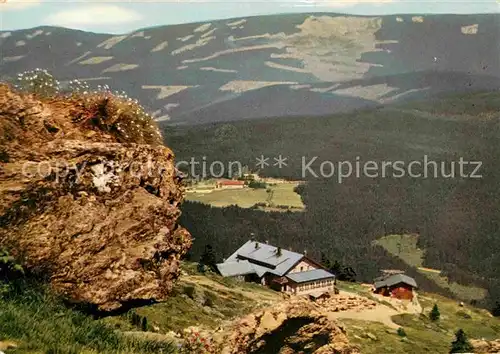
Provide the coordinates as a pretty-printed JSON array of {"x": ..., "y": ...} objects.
[
  {"x": 435, "y": 314},
  {"x": 208, "y": 259},
  {"x": 496, "y": 309},
  {"x": 461, "y": 344},
  {"x": 325, "y": 261}
]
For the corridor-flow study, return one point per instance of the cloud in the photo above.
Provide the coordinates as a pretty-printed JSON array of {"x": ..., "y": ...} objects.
[
  {"x": 13, "y": 5},
  {"x": 92, "y": 15},
  {"x": 342, "y": 3}
]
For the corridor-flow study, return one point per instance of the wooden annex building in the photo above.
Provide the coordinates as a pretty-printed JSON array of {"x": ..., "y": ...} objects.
[{"x": 399, "y": 286}]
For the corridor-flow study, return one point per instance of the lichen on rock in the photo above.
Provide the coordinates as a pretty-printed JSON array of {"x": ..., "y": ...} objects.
[{"x": 80, "y": 204}]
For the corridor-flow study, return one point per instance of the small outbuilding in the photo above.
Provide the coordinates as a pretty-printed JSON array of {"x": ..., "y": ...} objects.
[
  {"x": 399, "y": 286},
  {"x": 319, "y": 295}
]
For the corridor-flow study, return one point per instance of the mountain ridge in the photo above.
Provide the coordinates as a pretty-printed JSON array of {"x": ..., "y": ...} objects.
[{"x": 182, "y": 68}]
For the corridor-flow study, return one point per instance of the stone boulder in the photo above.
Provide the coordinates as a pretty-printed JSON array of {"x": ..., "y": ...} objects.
[
  {"x": 486, "y": 347},
  {"x": 294, "y": 326},
  {"x": 89, "y": 209}
]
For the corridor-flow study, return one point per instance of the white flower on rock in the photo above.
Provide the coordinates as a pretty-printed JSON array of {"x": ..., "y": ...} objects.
[{"x": 103, "y": 179}]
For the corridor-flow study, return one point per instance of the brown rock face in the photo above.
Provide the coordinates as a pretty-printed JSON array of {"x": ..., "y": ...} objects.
[
  {"x": 295, "y": 326},
  {"x": 80, "y": 204},
  {"x": 486, "y": 347}
]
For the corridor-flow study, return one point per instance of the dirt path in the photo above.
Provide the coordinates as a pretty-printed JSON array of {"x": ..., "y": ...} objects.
[
  {"x": 345, "y": 305},
  {"x": 380, "y": 314},
  {"x": 377, "y": 313},
  {"x": 263, "y": 296}
]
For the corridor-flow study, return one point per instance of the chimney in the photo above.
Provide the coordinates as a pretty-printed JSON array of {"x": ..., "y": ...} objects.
[
  {"x": 305, "y": 252},
  {"x": 267, "y": 242}
]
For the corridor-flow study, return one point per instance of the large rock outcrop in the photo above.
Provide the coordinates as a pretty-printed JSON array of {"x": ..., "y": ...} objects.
[
  {"x": 294, "y": 326},
  {"x": 91, "y": 207},
  {"x": 485, "y": 347}
]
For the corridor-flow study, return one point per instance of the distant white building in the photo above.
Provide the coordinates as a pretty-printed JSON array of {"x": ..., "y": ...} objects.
[
  {"x": 280, "y": 269},
  {"x": 251, "y": 176}
]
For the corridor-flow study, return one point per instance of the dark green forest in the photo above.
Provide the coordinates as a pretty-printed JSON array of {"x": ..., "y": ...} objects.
[{"x": 457, "y": 218}]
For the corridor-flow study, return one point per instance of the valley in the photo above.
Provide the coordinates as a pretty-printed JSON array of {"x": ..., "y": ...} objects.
[
  {"x": 113, "y": 241},
  {"x": 344, "y": 219}
]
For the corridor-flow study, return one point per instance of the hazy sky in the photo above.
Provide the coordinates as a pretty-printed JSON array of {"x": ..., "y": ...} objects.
[{"x": 125, "y": 16}]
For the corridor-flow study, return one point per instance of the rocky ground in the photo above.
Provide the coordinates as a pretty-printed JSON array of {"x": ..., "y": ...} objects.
[
  {"x": 381, "y": 309},
  {"x": 290, "y": 324},
  {"x": 286, "y": 328},
  {"x": 484, "y": 347}
]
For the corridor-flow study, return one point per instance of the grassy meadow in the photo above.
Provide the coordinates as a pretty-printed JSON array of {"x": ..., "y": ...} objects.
[
  {"x": 282, "y": 195},
  {"x": 406, "y": 248},
  {"x": 422, "y": 334}
]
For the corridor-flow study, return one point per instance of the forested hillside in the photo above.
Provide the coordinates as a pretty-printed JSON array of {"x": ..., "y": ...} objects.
[{"x": 456, "y": 218}]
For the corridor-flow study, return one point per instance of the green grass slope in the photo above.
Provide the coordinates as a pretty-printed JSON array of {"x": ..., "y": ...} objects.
[
  {"x": 201, "y": 300},
  {"x": 40, "y": 323},
  {"x": 421, "y": 334}
]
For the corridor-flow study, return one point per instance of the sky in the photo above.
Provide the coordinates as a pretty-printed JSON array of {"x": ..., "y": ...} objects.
[{"x": 117, "y": 17}]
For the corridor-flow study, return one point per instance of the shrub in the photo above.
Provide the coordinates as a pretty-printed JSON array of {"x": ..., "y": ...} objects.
[
  {"x": 194, "y": 343},
  {"x": 435, "y": 314},
  {"x": 77, "y": 87},
  {"x": 257, "y": 185},
  {"x": 209, "y": 259},
  {"x": 496, "y": 309},
  {"x": 112, "y": 112},
  {"x": 189, "y": 290},
  {"x": 464, "y": 314},
  {"x": 201, "y": 268},
  {"x": 138, "y": 321},
  {"x": 144, "y": 324},
  {"x": 401, "y": 332},
  {"x": 117, "y": 114},
  {"x": 210, "y": 299},
  {"x": 461, "y": 344},
  {"x": 134, "y": 319},
  {"x": 38, "y": 82},
  {"x": 4, "y": 156},
  {"x": 9, "y": 269}
]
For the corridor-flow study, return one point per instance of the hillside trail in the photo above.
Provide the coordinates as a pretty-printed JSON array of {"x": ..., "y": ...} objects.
[
  {"x": 433, "y": 115},
  {"x": 345, "y": 305},
  {"x": 379, "y": 312},
  {"x": 264, "y": 296}
]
